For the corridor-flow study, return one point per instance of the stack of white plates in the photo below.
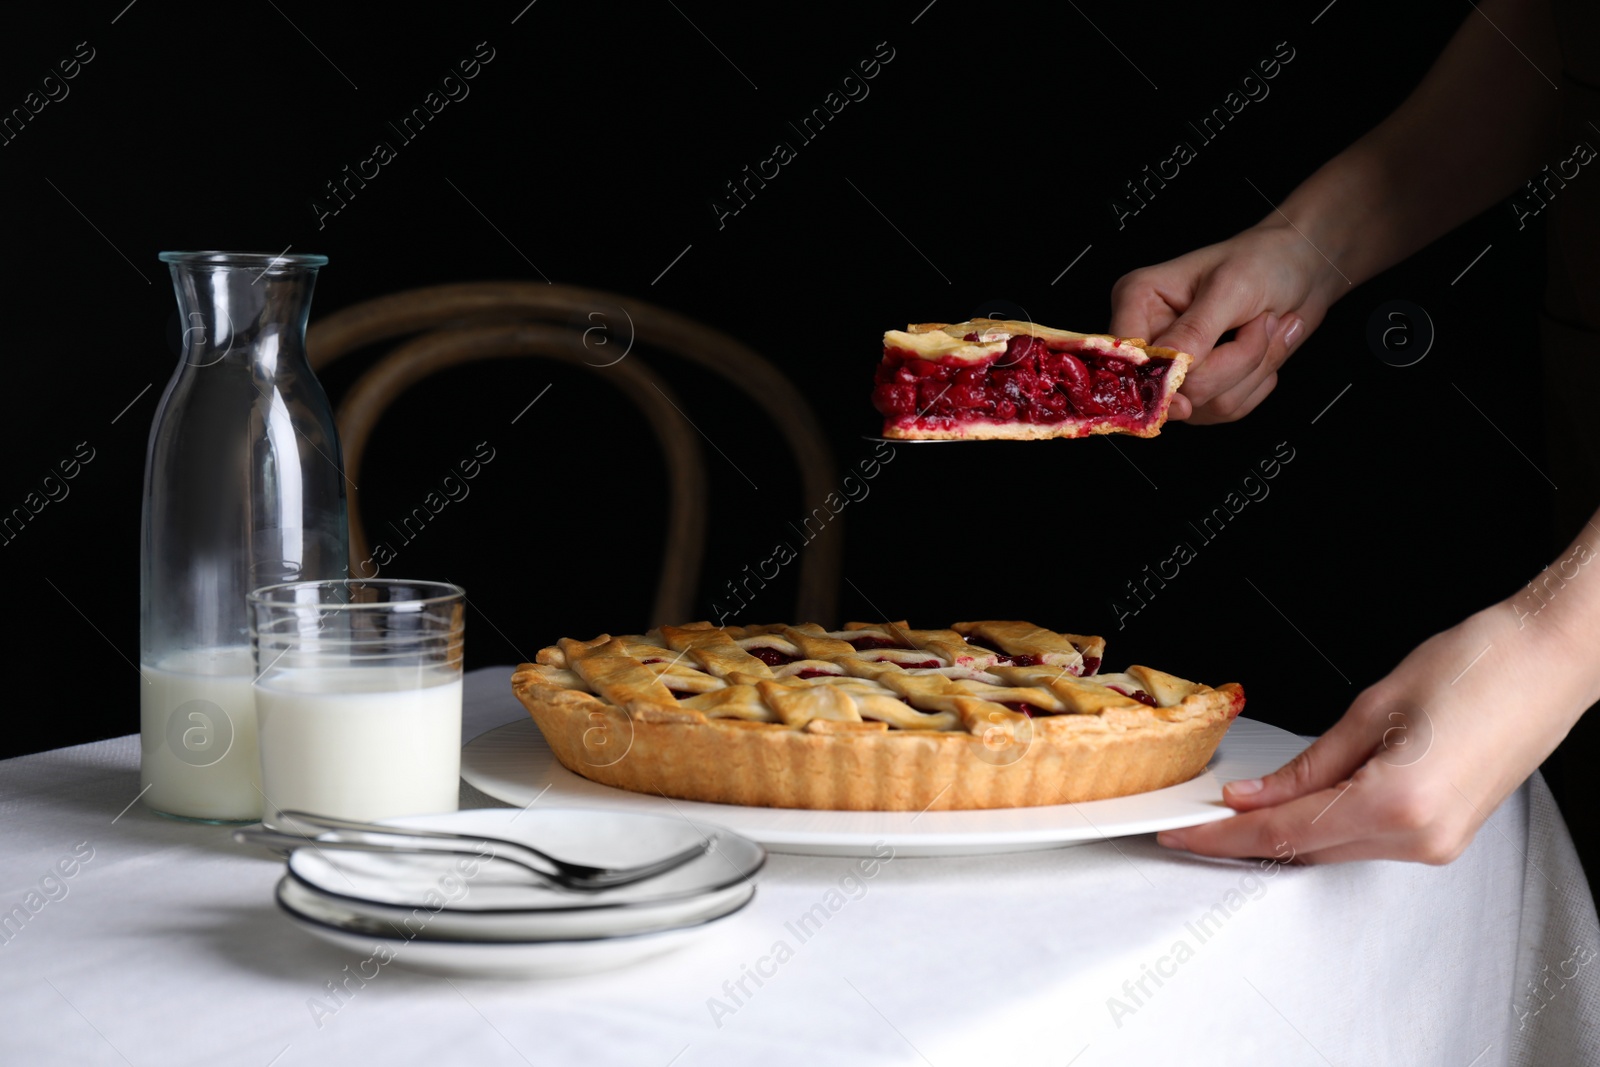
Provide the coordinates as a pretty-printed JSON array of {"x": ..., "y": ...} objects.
[{"x": 459, "y": 914}]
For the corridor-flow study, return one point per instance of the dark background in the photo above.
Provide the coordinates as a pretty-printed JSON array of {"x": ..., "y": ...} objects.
[{"x": 593, "y": 145}]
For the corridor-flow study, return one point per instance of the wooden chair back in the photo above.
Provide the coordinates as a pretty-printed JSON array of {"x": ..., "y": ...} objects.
[{"x": 464, "y": 323}]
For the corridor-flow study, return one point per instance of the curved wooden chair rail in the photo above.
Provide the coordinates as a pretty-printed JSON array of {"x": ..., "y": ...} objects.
[
  {"x": 490, "y": 320},
  {"x": 430, "y": 353}
]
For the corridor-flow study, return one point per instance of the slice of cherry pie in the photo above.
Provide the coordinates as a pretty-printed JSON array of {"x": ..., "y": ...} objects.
[
  {"x": 869, "y": 718},
  {"x": 997, "y": 378}
]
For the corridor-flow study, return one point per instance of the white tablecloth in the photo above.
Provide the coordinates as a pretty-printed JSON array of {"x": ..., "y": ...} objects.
[{"x": 164, "y": 947}]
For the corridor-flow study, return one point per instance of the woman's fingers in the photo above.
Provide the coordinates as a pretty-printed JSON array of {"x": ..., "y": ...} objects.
[
  {"x": 1233, "y": 370},
  {"x": 1238, "y": 401},
  {"x": 1188, "y": 304},
  {"x": 1382, "y": 811},
  {"x": 1224, "y": 301},
  {"x": 1359, "y": 792},
  {"x": 1241, "y": 373},
  {"x": 1420, "y": 760},
  {"x": 1331, "y": 758},
  {"x": 1140, "y": 315},
  {"x": 1309, "y": 824},
  {"x": 1145, "y": 302},
  {"x": 1259, "y": 391}
]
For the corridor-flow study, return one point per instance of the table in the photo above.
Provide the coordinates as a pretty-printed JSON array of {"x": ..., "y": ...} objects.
[{"x": 163, "y": 946}]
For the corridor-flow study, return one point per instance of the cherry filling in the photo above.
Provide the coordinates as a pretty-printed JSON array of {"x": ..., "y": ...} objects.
[
  {"x": 771, "y": 656},
  {"x": 869, "y": 642},
  {"x": 811, "y": 672},
  {"x": 1030, "y": 382},
  {"x": 917, "y": 666},
  {"x": 1032, "y": 711},
  {"x": 1091, "y": 664},
  {"x": 1141, "y": 697}
]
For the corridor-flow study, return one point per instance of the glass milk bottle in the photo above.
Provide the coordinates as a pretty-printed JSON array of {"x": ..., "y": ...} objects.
[{"x": 244, "y": 487}]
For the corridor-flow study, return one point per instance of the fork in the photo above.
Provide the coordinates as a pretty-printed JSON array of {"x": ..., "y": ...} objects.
[{"x": 562, "y": 874}]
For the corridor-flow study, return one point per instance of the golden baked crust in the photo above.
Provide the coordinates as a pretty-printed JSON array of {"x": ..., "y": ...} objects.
[
  {"x": 869, "y": 718},
  {"x": 1119, "y": 346},
  {"x": 1015, "y": 431}
]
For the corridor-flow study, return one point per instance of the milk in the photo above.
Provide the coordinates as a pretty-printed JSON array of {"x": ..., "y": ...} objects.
[
  {"x": 197, "y": 734},
  {"x": 360, "y": 742}
]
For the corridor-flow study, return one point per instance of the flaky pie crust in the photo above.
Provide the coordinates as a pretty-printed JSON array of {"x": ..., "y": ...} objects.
[{"x": 876, "y": 728}]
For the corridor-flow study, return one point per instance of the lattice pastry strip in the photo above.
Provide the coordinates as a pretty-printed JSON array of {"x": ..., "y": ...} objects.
[
  {"x": 609, "y": 670},
  {"x": 947, "y": 645},
  {"x": 873, "y": 717},
  {"x": 888, "y": 674},
  {"x": 712, "y": 651},
  {"x": 1079, "y": 654}
]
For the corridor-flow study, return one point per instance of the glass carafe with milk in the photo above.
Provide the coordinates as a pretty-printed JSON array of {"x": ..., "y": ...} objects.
[{"x": 244, "y": 487}]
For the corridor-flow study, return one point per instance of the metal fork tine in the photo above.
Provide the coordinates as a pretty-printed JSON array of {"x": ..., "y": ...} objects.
[
  {"x": 627, "y": 876},
  {"x": 564, "y": 867},
  {"x": 565, "y": 874},
  {"x": 278, "y": 840}
]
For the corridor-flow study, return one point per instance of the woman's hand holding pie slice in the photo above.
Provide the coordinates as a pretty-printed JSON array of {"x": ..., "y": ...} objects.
[
  {"x": 1267, "y": 284},
  {"x": 1482, "y": 126}
]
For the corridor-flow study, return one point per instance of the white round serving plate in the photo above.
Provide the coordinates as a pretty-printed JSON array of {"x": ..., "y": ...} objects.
[
  {"x": 382, "y": 920},
  {"x": 520, "y": 959},
  {"x": 465, "y": 897},
  {"x": 512, "y": 763},
  {"x": 462, "y": 897}
]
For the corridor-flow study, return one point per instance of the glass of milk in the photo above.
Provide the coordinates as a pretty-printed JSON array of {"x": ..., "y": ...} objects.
[{"x": 358, "y": 696}]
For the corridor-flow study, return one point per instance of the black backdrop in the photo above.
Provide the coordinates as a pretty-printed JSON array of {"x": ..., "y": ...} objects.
[{"x": 967, "y": 175}]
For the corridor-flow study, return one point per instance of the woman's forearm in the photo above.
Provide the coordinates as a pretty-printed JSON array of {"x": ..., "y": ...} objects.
[
  {"x": 1561, "y": 608},
  {"x": 1472, "y": 131}
]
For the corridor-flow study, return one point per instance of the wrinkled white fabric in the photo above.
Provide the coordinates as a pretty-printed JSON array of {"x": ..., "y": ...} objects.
[{"x": 164, "y": 947}]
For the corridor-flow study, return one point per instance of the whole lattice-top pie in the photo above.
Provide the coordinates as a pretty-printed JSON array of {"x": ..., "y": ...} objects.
[
  {"x": 997, "y": 378},
  {"x": 874, "y": 717}
]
